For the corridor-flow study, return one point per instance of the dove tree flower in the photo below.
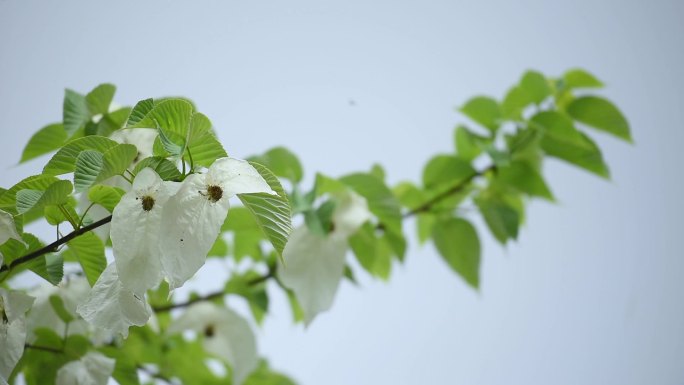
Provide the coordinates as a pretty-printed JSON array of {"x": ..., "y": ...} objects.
[
  {"x": 43, "y": 314},
  {"x": 314, "y": 264},
  {"x": 112, "y": 307},
  {"x": 135, "y": 231},
  {"x": 13, "y": 308},
  {"x": 224, "y": 333},
  {"x": 92, "y": 369},
  {"x": 192, "y": 218}
]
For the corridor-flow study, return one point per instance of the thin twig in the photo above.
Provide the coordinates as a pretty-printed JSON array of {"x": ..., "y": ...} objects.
[
  {"x": 44, "y": 348},
  {"x": 51, "y": 248}
]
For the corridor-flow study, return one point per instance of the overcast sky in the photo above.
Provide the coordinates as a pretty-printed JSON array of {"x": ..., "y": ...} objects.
[{"x": 593, "y": 291}]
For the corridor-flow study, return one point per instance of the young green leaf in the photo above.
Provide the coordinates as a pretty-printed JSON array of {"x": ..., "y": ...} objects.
[
  {"x": 373, "y": 253},
  {"x": 457, "y": 242},
  {"x": 444, "y": 171},
  {"x": 562, "y": 140},
  {"x": 515, "y": 101},
  {"x": 535, "y": 86},
  {"x": 579, "y": 78},
  {"x": 381, "y": 201},
  {"x": 600, "y": 114},
  {"x": 47, "y": 139},
  {"x": 282, "y": 162},
  {"x": 106, "y": 196},
  {"x": 88, "y": 250},
  {"x": 116, "y": 160},
  {"x": 483, "y": 110},
  {"x": 502, "y": 220},
  {"x": 523, "y": 177},
  {"x": 64, "y": 161},
  {"x": 468, "y": 144},
  {"x": 272, "y": 212},
  {"x": 162, "y": 166},
  {"x": 99, "y": 99},
  {"x": 58, "y": 306},
  {"x": 88, "y": 167},
  {"x": 139, "y": 111},
  {"x": 55, "y": 194},
  {"x": 75, "y": 112}
]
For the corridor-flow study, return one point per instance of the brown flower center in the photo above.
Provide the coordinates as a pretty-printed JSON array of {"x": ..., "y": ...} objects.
[
  {"x": 215, "y": 193},
  {"x": 209, "y": 331},
  {"x": 147, "y": 203}
]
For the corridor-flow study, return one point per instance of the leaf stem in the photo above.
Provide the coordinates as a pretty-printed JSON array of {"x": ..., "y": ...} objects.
[
  {"x": 80, "y": 223},
  {"x": 68, "y": 216},
  {"x": 44, "y": 348}
]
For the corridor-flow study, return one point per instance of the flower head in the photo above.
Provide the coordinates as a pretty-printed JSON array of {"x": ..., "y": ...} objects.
[
  {"x": 224, "y": 333},
  {"x": 192, "y": 218}
]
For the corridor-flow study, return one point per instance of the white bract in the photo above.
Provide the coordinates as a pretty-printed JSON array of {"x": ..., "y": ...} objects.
[
  {"x": 193, "y": 217},
  {"x": 225, "y": 334},
  {"x": 43, "y": 315},
  {"x": 92, "y": 369},
  {"x": 141, "y": 138},
  {"x": 13, "y": 308},
  {"x": 314, "y": 264},
  {"x": 136, "y": 226},
  {"x": 112, "y": 307}
]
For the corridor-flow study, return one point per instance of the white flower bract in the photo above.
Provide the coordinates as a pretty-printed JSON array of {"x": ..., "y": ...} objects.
[
  {"x": 13, "y": 308},
  {"x": 112, "y": 307},
  {"x": 226, "y": 334},
  {"x": 193, "y": 217},
  {"x": 314, "y": 264},
  {"x": 136, "y": 225},
  {"x": 92, "y": 369},
  {"x": 141, "y": 138}
]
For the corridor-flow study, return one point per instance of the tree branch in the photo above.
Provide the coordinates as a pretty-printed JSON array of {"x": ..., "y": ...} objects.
[
  {"x": 252, "y": 282},
  {"x": 51, "y": 248},
  {"x": 43, "y": 348},
  {"x": 440, "y": 197}
]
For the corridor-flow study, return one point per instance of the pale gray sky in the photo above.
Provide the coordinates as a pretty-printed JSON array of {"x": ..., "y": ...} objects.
[{"x": 591, "y": 294}]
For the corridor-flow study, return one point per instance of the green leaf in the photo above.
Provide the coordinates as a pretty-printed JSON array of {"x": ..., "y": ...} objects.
[
  {"x": 515, "y": 101},
  {"x": 445, "y": 171},
  {"x": 116, "y": 161},
  {"x": 55, "y": 194},
  {"x": 457, "y": 242},
  {"x": 125, "y": 369},
  {"x": 54, "y": 216},
  {"x": 562, "y": 140},
  {"x": 282, "y": 162},
  {"x": 483, "y": 110},
  {"x": 139, "y": 111},
  {"x": 58, "y": 306},
  {"x": 424, "y": 225},
  {"x": 88, "y": 167},
  {"x": 373, "y": 253},
  {"x": 264, "y": 376},
  {"x": 172, "y": 115},
  {"x": 106, "y": 196},
  {"x": 162, "y": 166},
  {"x": 8, "y": 199},
  {"x": 381, "y": 201},
  {"x": 272, "y": 212},
  {"x": 112, "y": 121},
  {"x": 600, "y": 114},
  {"x": 75, "y": 112},
  {"x": 64, "y": 161},
  {"x": 579, "y": 78},
  {"x": 89, "y": 251},
  {"x": 502, "y": 219},
  {"x": 524, "y": 178},
  {"x": 175, "y": 146},
  {"x": 99, "y": 99},
  {"x": 468, "y": 144},
  {"x": 55, "y": 268},
  {"x": 535, "y": 86},
  {"x": 47, "y": 139},
  {"x": 205, "y": 149}
]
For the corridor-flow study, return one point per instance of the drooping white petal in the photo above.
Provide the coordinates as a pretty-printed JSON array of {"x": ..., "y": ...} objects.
[
  {"x": 142, "y": 138},
  {"x": 43, "y": 315},
  {"x": 226, "y": 334},
  {"x": 136, "y": 225},
  {"x": 314, "y": 266},
  {"x": 350, "y": 213},
  {"x": 191, "y": 223},
  {"x": 236, "y": 176},
  {"x": 92, "y": 369},
  {"x": 110, "y": 306},
  {"x": 8, "y": 229},
  {"x": 13, "y": 308}
]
